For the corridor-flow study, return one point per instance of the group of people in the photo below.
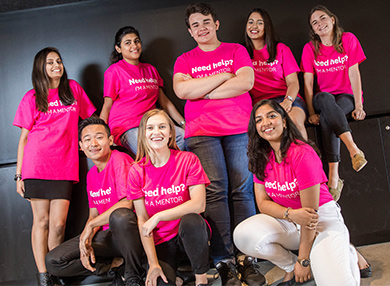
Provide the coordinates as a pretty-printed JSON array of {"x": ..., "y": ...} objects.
[{"x": 242, "y": 143}]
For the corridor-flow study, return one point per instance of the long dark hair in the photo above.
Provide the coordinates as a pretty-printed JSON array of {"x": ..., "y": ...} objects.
[
  {"x": 41, "y": 81},
  {"x": 337, "y": 31},
  {"x": 270, "y": 36},
  {"x": 115, "y": 56},
  {"x": 259, "y": 149}
]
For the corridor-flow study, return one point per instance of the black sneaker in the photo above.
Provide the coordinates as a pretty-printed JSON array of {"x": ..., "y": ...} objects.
[
  {"x": 134, "y": 282},
  {"x": 228, "y": 273},
  {"x": 250, "y": 273},
  {"x": 119, "y": 274}
]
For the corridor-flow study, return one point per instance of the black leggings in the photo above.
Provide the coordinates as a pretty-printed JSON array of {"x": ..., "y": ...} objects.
[
  {"x": 192, "y": 240},
  {"x": 121, "y": 240},
  {"x": 333, "y": 121}
]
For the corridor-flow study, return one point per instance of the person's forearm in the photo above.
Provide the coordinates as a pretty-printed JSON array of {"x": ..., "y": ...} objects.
[
  {"x": 196, "y": 88},
  {"x": 105, "y": 113},
  {"x": 235, "y": 86},
  {"x": 306, "y": 243},
  {"x": 308, "y": 89},
  {"x": 22, "y": 143},
  {"x": 356, "y": 85},
  {"x": 272, "y": 209},
  {"x": 168, "y": 106},
  {"x": 292, "y": 86}
]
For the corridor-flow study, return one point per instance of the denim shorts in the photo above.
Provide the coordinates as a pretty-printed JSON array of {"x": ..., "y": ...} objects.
[{"x": 297, "y": 102}]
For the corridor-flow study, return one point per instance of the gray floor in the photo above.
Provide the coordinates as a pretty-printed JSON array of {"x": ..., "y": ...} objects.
[{"x": 377, "y": 255}]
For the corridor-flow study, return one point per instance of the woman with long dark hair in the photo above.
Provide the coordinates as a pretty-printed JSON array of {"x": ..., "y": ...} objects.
[
  {"x": 168, "y": 189},
  {"x": 333, "y": 57},
  {"x": 275, "y": 67},
  {"x": 131, "y": 88},
  {"x": 297, "y": 210},
  {"x": 47, "y": 161}
]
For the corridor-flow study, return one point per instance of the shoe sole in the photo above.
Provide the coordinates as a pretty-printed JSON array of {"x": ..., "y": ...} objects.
[{"x": 361, "y": 167}]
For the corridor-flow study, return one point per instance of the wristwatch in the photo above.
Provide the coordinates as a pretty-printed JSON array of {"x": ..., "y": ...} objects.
[
  {"x": 289, "y": 97},
  {"x": 304, "y": 262},
  {"x": 17, "y": 177}
]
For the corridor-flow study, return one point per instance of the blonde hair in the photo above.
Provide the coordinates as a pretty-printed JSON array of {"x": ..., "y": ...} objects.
[
  {"x": 143, "y": 149},
  {"x": 337, "y": 31}
]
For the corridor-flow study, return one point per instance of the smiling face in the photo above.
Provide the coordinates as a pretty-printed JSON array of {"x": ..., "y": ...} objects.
[
  {"x": 203, "y": 28},
  {"x": 255, "y": 26},
  {"x": 130, "y": 48},
  {"x": 95, "y": 143},
  {"x": 269, "y": 124},
  {"x": 158, "y": 132},
  {"x": 322, "y": 24},
  {"x": 54, "y": 67}
]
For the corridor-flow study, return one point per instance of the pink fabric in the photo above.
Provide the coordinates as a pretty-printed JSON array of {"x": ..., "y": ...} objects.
[
  {"x": 51, "y": 152},
  {"x": 331, "y": 67},
  {"x": 301, "y": 169},
  {"x": 109, "y": 186},
  {"x": 270, "y": 77},
  {"x": 219, "y": 117},
  {"x": 134, "y": 90},
  {"x": 166, "y": 187}
]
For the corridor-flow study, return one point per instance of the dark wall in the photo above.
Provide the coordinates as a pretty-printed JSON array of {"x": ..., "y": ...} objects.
[{"x": 84, "y": 34}]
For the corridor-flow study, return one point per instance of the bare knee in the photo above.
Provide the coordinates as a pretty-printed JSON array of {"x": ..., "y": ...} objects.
[
  {"x": 41, "y": 223},
  {"x": 57, "y": 229}
]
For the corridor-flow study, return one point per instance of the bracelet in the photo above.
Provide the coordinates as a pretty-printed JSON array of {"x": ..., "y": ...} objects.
[
  {"x": 207, "y": 96},
  {"x": 18, "y": 177},
  {"x": 285, "y": 216},
  {"x": 182, "y": 123},
  {"x": 289, "y": 97}
]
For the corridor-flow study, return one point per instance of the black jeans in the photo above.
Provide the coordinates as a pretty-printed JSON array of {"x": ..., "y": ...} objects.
[
  {"x": 192, "y": 240},
  {"x": 121, "y": 240},
  {"x": 333, "y": 121}
]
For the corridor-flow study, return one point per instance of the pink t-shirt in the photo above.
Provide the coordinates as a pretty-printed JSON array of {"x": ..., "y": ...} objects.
[
  {"x": 331, "y": 67},
  {"x": 109, "y": 186},
  {"x": 166, "y": 187},
  {"x": 218, "y": 117},
  {"x": 51, "y": 152},
  {"x": 270, "y": 77},
  {"x": 301, "y": 169},
  {"x": 134, "y": 90}
]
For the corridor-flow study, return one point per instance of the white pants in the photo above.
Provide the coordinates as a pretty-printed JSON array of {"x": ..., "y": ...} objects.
[{"x": 333, "y": 259}]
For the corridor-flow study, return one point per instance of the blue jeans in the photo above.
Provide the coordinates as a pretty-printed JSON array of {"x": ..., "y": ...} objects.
[
  {"x": 229, "y": 197},
  {"x": 129, "y": 139},
  {"x": 333, "y": 121}
]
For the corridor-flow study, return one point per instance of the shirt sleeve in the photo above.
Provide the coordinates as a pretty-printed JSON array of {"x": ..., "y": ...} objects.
[
  {"x": 88, "y": 188},
  {"x": 289, "y": 63},
  {"x": 307, "y": 61},
  {"x": 135, "y": 182},
  {"x": 26, "y": 112},
  {"x": 196, "y": 174},
  {"x": 85, "y": 105},
  {"x": 241, "y": 58},
  {"x": 181, "y": 65},
  {"x": 354, "y": 49},
  {"x": 307, "y": 166},
  {"x": 121, "y": 176},
  {"x": 160, "y": 81},
  {"x": 256, "y": 180},
  {"x": 111, "y": 83}
]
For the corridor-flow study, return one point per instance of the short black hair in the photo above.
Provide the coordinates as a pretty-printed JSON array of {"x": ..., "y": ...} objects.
[
  {"x": 93, "y": 121},
  {"x": 202, "y": 8}
]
